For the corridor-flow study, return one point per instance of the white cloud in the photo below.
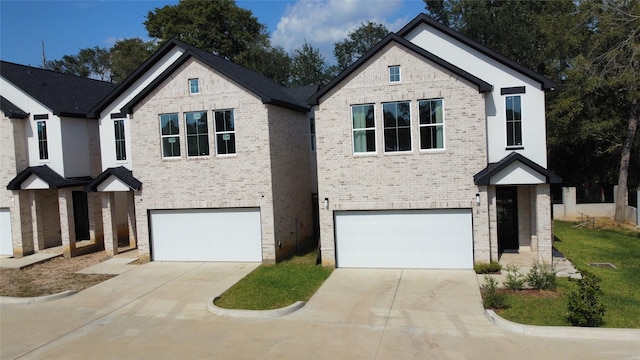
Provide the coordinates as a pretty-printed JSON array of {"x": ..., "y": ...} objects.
[{"x": 322, "y": 23}]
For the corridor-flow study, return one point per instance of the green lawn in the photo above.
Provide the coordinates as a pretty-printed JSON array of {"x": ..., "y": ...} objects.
[
  {"x": 275, "y": 286},
  {"x": 621, "y": 286}
]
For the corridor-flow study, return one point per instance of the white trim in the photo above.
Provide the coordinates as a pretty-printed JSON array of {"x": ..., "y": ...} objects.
[
  {"x": 384, "y": 144},
  {"x": 365, "y": 129},
  {"x": 444, "y": 131}
]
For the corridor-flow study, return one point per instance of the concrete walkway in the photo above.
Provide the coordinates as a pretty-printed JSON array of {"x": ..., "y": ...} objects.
[
  {"x": 159, "y": 310},
  {"x": 8, "y": 262}
]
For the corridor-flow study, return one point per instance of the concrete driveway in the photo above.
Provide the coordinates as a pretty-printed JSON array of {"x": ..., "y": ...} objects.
[{"x": 158, "y": 311}]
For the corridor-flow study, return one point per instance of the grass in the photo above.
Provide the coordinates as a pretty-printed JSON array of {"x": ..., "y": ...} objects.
[
  {"x": 620, "y": 286},
  {"x": 275, "y": 286}
]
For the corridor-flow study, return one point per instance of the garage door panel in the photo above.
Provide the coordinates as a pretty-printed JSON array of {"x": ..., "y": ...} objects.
[
  {"x": 206, "y": 235},
  {"x": 405, "y": 239}
]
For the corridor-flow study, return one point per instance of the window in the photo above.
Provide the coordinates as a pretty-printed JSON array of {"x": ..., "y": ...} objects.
[
  {"x": 225, "y": 132},
  {"x": 431, "y": 124},
  {"x": 194, "y": 86},
  {"x": 394, "y": 73},
  {"x": 118, "y": 127},
  {"x": 197, "y": 133},
  {"x": 397, "y": 126},
  {"x": 514, "y": 121},
  {"x": 43, "y": 147},
  {"x": 364, "y": 129},
  {"x": 170, "y": 135},
  {"x": 312, "y": 132}
]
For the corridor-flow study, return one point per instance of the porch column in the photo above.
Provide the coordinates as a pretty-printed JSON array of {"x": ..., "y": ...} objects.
[
  {"x": 110, "y": 227},
  {"x": 21, "y": 228},
  {"x": 95, "y": 218},
  {"x": 544, "y": 226},
  {"x": 67, "y": 222},
  {"x": 131, "y": 219},
  {"x": 493, "y": 222},
  {"x": 36, "y": 222}
]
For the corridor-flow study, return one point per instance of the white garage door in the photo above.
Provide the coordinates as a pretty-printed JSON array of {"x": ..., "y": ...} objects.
[
  {"x": 206, "y": 235},
  {"x": 431, "y": 239},
  {"x": 6, "y": 246}
]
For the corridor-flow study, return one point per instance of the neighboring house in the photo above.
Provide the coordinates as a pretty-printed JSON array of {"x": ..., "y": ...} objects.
[
  {"x": 431, "y": 153},
  {"x": 207, "y": 160},
  {"x": 49, "y": 153}
]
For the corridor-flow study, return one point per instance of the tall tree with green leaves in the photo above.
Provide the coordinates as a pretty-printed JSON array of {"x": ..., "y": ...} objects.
[
  {"x": 358, "y": 42},
  {"x": 270, "y": 61},
  {"x": 308, "y": 66},
  {"x": 127, "y": 55},
  {"x": 89, "y": 62},
  {"x": 219, "y": 26}
]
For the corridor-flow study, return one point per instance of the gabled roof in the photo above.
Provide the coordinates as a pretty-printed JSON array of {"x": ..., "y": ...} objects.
[
  {"x": 482, "y": 85},
  {"x": 10, "y": 110},
  {"x": 64, "y": 94},
  {"x": 484, "y": 176},
  {"x": 266, "y": 89},
  {"x": 48, "y": 175},
  {"x": 545, "y": 83},
  {"x": 121, "y": 173}
]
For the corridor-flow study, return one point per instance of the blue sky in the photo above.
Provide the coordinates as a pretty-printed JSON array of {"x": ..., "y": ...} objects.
[{"x": 68, "y": 26}]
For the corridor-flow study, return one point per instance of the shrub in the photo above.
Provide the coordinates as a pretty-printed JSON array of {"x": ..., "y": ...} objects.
[
  {"x": 540, "y": 278},
  {"x": 584, "y": 305},
  {"x": 491, "y": 297},
  {"x": 514, "y": 279},
  {"x": 487, "y": 268}
]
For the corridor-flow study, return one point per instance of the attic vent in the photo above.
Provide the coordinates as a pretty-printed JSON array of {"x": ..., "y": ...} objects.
[{"x": 41, "y": 117}]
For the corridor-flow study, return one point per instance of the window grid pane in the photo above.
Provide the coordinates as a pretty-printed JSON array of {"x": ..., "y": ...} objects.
[
  {"x": 397, "y": 126},
  {"x": 514, "y": 120},
  {"x": 197, "y": 133},
  {"x": 43, "y": 146},
  {"x": 364, "y": 131},
  {"x": 431, "y": 124},
  {"x": 170, "y": 133},
  {"x": 394, "y": 73},
  {"x": 225, "y": 132},
  {"x": 194, "y": 86},
  {"x": 121, "y": 152}
]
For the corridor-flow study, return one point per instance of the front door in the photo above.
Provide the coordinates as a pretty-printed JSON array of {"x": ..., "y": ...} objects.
[
  {"x": 81, "y": 215},
  {"x": 507, "y": 207}
]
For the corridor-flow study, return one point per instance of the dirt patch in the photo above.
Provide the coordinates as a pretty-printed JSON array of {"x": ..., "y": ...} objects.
[
  {"x": 610, "y": 224},
  {"x": 51, "y": 277}
]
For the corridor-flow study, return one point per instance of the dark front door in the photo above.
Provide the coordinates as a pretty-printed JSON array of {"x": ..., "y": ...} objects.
[
  {"x": 81, "y": 215},
  {"x": 507, "y": 207}
]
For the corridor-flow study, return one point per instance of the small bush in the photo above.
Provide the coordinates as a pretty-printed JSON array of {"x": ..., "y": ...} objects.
[
  {"x": 491, "y": 298},
  {"x": 514, "y": 279},
  {"x": 487, "y": 268},
  {"x": 584, "y": 305},
  {"x": 540, "y": 278}
]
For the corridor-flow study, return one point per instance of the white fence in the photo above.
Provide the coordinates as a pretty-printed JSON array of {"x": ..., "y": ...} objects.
[{"x": 570, "y": 210}]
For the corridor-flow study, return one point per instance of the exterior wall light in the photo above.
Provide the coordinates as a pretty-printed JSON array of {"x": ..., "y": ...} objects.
[
  {"x": 326, "y": 203},
  {"x": 478, "y": 198}
]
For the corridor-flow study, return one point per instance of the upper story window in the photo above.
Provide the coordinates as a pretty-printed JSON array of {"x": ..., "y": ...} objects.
[
  {"x": 170, "y": 134},
  {"x": 118, "y": 129},
  {"x": 364, "y": 128},
  {"x": 431, "y": 124},
  {"x": 394, "y": 73},
  {"x": 194, "y": 86},
  {"x": 312, "y": 133},
  {"x": 225, "y": 132},
  {"x": 514, "y": 120},
  {"x": 397, "y": 126},
  {"x": 197, "y": 133},
  {"x": 43, "y": 146}
]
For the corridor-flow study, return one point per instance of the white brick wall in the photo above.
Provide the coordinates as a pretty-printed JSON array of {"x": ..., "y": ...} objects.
[{"x": 415, "y": 180}]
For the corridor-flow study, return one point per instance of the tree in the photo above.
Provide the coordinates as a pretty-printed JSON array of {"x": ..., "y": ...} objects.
[
  {"x": 218, "y": 26},
  {"x": 612, "y": 61},
  {"x": 309, "y": 67},
  {"x": 90, "y": 62},
  {"x": 357, "y": 43},
  {"x": 272, "y": 62},
  {"x": 127, "y": 55}
]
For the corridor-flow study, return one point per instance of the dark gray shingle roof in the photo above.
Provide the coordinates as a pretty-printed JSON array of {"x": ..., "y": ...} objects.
[
  {"x": 123, "y": 174},
  {"x": 55, "y": 180},
  {"x": 484, "y": 176},
  {"x": 64, "y": 94},
  {"x": 10, "y": 110}
]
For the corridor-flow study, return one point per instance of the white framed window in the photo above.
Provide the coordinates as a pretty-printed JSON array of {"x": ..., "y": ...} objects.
[
  {"x": 197, "y": 133},
  {"x": 431, "y": 124},
  {"x": 170, "y": 134},
  {"x": 225, "y": 132},
  {"x": 118, "y": 130},
  {"x": 312, "y": 133},
  {"x": 394, "y": 73},
  {"x": 364, "y": 128},
  {"x": 397, "y": 126},
  {"x": 43, "y": 145},
  {"x": 194, "y": 86},
  {"x": 513, "y": 107}
]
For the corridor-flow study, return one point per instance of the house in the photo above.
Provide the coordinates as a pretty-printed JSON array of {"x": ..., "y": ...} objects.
[
  {"x": 431, "y": 153},
  {"x": 49, "y": 153},
  {"x": 204, "y": 160}
]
